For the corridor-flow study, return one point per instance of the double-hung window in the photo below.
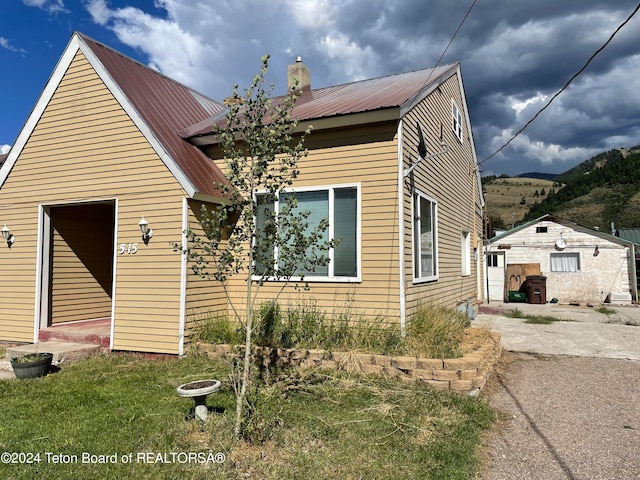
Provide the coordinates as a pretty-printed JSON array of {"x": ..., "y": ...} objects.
[
  {"x": 565, "y": 262},
  {"x": 456, "y": 120},
  {"x": 425, "y": 265},
  {"x": 340, "y": 205},
  {"x": 465, "y": 249}
]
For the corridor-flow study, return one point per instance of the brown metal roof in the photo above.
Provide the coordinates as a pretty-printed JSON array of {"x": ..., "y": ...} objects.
[
  {"x": 3, "y": 157},
  {"x": 393, "y": 91},
  {"x": 167, "y": 107}
]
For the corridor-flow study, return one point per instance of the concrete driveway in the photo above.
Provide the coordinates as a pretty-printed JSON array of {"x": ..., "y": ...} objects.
[
  {"x": 569, "y": 393},
  {"x": 584, "y": 332}
]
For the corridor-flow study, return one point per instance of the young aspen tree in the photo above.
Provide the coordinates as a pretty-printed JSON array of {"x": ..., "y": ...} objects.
[{"x": 247, "y": 237}]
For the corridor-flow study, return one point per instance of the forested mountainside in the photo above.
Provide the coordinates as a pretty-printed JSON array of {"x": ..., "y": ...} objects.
[{"x": 600, "y": 190}]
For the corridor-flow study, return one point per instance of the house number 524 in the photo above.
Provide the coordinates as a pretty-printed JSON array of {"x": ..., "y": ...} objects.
[{"x": 131, "y": 248}]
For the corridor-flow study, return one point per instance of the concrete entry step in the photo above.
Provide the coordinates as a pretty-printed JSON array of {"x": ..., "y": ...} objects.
[
  {"x": 62, "y": 351},
  {"x": 93, "y": 332}
]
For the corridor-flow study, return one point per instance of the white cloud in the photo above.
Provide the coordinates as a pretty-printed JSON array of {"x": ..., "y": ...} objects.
[
  {"x": 171, "y": 49},
  {"x": 547, "y": 154},
  {"x": 5, "y": 43},
  {"x": 347, "y": 57},
  {"x": 520, "y": 105},
  {"x": 512, "y": 62},
  {"x": 4, "y": 149},
  {"x": 99, "y": 11},
  {"x": 313, "y": 14},
  {"x": 51, "y": 6}
]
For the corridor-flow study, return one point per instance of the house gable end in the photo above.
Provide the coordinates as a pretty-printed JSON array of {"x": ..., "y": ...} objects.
[{"x": 78, "y": 44}]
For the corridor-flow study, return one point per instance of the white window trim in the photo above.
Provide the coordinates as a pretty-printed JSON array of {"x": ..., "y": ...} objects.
[
  {"x": 456, "y": 119},
  {"x": 558, "y": 254},
  {"x": 436, "y": 269},
  {"x": 465, "y": 253},
  {"x": 329, "y": 278}
]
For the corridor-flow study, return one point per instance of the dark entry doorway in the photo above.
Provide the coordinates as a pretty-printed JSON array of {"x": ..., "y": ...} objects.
[{"x": 80, "y": 273}]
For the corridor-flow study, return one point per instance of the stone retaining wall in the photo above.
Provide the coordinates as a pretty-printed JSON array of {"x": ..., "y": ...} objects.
[{"x": 467, "y": 374}]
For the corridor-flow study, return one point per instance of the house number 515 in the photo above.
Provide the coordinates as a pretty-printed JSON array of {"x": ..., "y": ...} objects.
[{"x": 131, "y": 248}]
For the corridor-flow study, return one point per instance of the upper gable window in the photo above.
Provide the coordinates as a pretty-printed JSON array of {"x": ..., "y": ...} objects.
[{"x": 456, "y": 120}]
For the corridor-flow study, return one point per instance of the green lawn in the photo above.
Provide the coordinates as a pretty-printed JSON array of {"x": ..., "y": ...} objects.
[{"x": 123, "y": 410}]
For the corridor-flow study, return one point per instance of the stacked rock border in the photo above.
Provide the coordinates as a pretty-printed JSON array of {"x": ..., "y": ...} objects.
[{"x": 467, "y": 374}]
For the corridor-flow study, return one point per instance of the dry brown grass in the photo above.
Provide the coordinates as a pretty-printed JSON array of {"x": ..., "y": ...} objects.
[{"x": 474, "y": 337}]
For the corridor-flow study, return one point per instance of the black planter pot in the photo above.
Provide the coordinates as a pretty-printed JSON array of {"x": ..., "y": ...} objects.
[{"x": 32, "y": 365}]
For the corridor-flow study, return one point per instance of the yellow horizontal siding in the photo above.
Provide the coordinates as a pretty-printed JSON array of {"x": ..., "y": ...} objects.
[
  {"x": 367, "y": 156},
  {"x": 450, "y": 180},
  {"x": 205, "y": 298},
  {"x": 86, "y": 147},
  {"x": 82, "y": 260}
]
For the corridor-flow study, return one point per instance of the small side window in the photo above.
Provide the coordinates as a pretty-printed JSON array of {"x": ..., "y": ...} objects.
[
  {"x": 456, "y": 120},
  {"x": 465, "y": 247}
]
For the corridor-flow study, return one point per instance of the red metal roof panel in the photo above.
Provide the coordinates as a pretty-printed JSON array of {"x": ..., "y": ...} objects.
[
  {"x": 356, "y": 97},
  {"x": 167, "y": 107}
]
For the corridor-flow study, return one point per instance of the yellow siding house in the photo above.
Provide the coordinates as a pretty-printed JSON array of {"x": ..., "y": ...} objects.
[{"x": 111, "y": 145}]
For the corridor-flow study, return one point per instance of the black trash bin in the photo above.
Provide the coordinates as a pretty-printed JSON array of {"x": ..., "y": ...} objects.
[{"x": 536, "y": 289}]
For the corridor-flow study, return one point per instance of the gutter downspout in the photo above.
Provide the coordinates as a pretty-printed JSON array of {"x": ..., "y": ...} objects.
[{"x": 401, "y": 272}]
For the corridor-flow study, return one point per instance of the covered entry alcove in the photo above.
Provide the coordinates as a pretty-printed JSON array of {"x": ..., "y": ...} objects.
[{"x": 77, "y": 265}]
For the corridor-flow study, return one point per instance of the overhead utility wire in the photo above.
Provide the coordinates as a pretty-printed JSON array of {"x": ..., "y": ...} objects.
[
  {"x": 565, "y": 85},
  {"x": 449, "y": 44}
]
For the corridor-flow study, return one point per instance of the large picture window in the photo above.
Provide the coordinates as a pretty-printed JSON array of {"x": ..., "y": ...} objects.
[
  {"x": 424, "y": 238},
  {"x": 340, "y": 206},
  {"x": 565, "y": 262}
]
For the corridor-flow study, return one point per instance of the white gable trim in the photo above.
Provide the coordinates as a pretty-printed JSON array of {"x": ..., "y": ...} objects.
[
  {"x": 77, "y": 44},
  {"x": 38, "y": 110},
  {"x": 427, "y": 89},
  {"x": 473, "y": 144}
]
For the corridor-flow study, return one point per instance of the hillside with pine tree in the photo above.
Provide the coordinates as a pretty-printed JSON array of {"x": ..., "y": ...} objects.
[{"x": 600, "y": 190}]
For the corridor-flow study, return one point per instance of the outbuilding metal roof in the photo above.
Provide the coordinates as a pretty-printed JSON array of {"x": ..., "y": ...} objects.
[{"x": 167, "y": 107}]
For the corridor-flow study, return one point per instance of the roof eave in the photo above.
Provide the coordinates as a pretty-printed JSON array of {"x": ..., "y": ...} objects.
[
  {"x": 324, "y": 123},
  {"x": 427, "y": 89},
  {"x": 576, "y": 226}
]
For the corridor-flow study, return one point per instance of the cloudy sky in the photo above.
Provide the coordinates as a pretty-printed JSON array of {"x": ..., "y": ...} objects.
[{"x": 515, "y": 55}]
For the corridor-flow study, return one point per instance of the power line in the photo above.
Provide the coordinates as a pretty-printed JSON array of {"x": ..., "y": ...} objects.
[
  {"x": 456, "y": 33},
  {"x": 450, "y": 42},
  {"x": 564, "y": 87}
]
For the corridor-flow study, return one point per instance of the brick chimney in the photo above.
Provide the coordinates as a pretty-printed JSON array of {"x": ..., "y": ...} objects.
[{"x": 300, "y": 72}]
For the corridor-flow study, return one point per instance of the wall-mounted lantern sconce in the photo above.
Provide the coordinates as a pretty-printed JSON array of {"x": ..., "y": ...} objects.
[
  {"x": 147, "y": 233},
  {"x": 8, "y": 236}
]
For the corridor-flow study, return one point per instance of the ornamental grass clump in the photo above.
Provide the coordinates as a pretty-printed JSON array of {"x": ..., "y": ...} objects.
[
  {"x": 436, "y": 332},
  {"x": 432, "y": 332}
]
